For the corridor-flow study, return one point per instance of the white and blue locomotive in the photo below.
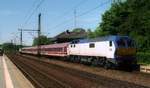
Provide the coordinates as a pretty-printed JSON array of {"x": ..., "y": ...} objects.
[{"x": 106, "y": 51}]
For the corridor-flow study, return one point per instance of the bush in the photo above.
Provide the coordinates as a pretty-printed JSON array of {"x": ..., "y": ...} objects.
[{"x": 143, "y": 58}]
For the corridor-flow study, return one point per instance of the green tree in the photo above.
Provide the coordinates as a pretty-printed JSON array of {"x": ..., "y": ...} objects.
[
  {"x": 10, "y": 47},
  {"x": 78, "y": 30},
  {"x": 132, "y": 18},
  {"x": 42, "y": 40},
  {"x": 0, "y": 45},
  {"x": 90, "y": 33}
]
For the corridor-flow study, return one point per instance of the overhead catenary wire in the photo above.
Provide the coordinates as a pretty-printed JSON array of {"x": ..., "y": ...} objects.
[
  {"x": 31, "y": 34},
  {"x": 34, "y": 10},
  {"x": 73, "y": 8},
  {"x": 30, "y": 9},
  {"x": 86, "y": 12},
  {"x": 82, "y": 14}
]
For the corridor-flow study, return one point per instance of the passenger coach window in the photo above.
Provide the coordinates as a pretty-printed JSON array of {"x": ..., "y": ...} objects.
[
  {"x": 110, "y": 43},
  {"x": 92, "y": 45}
]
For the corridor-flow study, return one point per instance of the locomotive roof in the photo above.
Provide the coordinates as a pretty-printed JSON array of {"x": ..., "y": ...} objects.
[{"x": 104, "y": 38}]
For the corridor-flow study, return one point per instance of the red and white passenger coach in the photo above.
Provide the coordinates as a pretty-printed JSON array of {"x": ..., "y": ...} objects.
[{"x": 50, "y": 50}]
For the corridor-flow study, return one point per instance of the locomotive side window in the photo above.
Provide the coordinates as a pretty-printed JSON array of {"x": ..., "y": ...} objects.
[
  {"x": 92, "y": 45},
  {"x": 110, "y": 43}
]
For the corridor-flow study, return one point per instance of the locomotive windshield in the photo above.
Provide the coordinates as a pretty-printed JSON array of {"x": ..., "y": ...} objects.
[
  {"x": 130, "y": 43},
  {"x": 121, "y": 43},
  {"x": 125, "y": 42}
]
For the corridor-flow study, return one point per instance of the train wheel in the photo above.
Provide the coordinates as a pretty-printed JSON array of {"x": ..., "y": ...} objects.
[
  {"x": 78, "y": 59},
  {"x": 94, "y": 62},
  {"x": 107, "y": 65}
]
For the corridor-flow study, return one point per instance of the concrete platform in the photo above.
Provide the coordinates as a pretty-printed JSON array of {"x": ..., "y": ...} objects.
[{"x": 11, "y": 76}]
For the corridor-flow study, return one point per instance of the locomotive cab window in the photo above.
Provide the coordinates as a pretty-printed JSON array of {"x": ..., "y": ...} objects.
[
  {"x": 73, "y": 45},
  {"x": 110, "y": 43},
  {"x": 130, "y": 43},
  {"x": 121, "y": 43},
  {"x": 92, "y": 45}
]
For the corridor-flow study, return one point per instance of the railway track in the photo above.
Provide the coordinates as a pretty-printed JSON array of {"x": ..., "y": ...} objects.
[
  {"x": 38, "y": 78},
  {"x": 45, "y": 75}
]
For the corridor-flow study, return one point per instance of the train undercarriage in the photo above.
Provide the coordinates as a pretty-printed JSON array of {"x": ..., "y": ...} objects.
[{"x": 102, "y": 61}]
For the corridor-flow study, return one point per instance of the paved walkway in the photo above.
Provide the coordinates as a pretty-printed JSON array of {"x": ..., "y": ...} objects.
[
  {"x": 10, "y": 75},
  {"x": 2, "y": 82}
]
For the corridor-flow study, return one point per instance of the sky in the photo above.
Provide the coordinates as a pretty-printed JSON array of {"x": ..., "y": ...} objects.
[{"x": 57, "y": 16}]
